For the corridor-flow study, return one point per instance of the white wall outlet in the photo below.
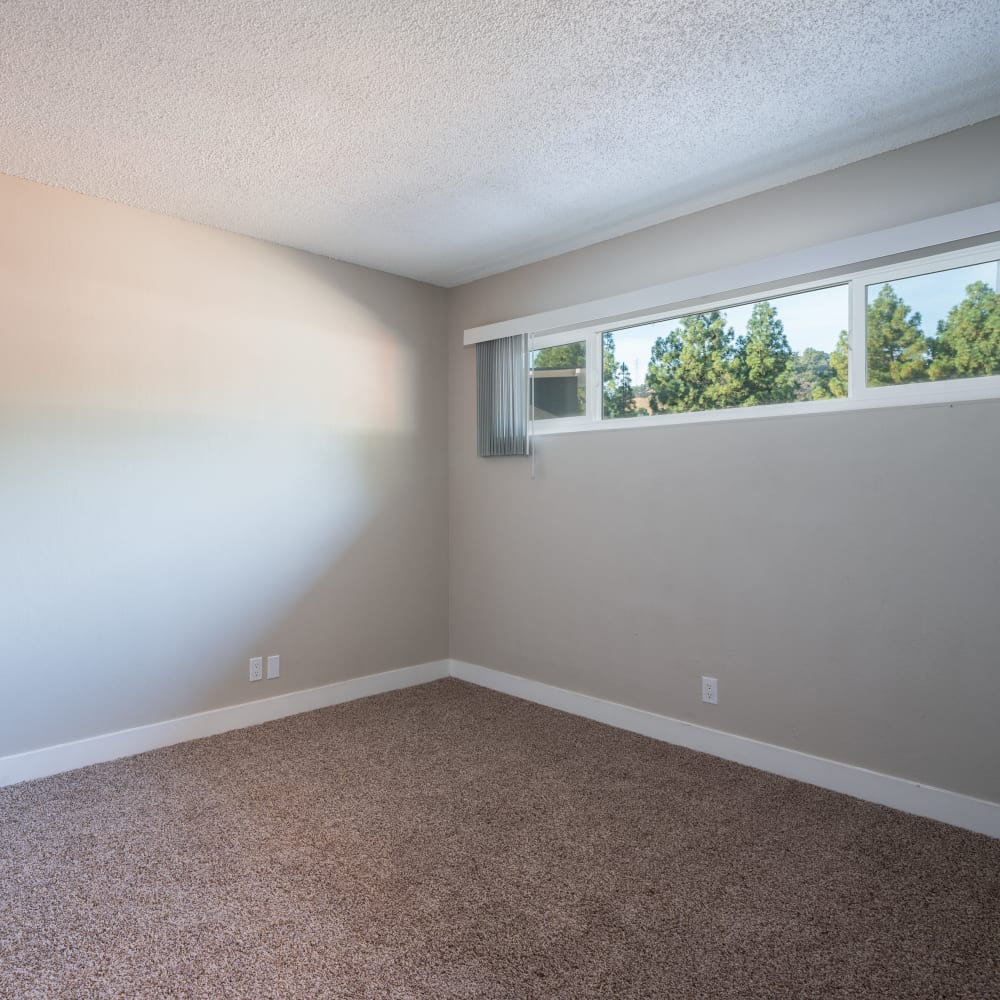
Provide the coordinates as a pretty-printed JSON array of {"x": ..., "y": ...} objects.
[
  {"x": 273, "y": 667},
  {"x": 710, "y": 690},
  {"x": 256, "y": 667}
]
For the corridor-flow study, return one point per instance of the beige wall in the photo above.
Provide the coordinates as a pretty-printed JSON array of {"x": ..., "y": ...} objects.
[
  {"x": 839, "y": 574},
  {"x": 213, "y": 447},
  {"x": 210, "y": 448}
]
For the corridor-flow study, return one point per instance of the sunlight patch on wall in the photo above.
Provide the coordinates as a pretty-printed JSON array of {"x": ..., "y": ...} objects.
[
  {"x": 130, "y": 553},
  {"x": 197, "y": 433}
]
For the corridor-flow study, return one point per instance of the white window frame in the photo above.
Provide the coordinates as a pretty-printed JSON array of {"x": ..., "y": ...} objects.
[
  {"x": 859, "y": 396},
  {"x": 945, "y": 390},
  {"x": 584, "y": 421}
]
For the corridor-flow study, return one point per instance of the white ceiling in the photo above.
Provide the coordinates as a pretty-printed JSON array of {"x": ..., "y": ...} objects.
[{"x": 450, "y": 139}]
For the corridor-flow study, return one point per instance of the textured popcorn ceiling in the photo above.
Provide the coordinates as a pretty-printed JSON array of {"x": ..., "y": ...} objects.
[{"x": 448, "y": 139}]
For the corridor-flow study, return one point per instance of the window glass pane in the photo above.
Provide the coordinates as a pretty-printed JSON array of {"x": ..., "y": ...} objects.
[
  {"x": 559, "y": 381},
  {"x": 782, "y": 350},
  {"x": 934, "y": 327}
]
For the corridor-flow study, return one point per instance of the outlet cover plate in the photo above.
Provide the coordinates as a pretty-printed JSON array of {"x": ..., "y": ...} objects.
[
  {"x": 256, "y": 668},
  {"x": 710, "y": 690}
]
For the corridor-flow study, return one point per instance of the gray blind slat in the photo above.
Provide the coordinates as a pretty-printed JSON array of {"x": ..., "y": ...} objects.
[{"x": 502, "y": 396}]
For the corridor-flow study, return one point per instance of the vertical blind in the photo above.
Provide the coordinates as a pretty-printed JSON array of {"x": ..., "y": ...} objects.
[{"x": 502, "y": 396}]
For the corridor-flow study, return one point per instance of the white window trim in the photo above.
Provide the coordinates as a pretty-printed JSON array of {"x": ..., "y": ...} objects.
[
  {"x": 860, "y": 395},
  {"x": 979, "y": 387},
  {"x": 593, "y": 360}
]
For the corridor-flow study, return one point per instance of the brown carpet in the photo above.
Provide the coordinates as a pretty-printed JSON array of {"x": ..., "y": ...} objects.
[{"x": 446, "y": 841}]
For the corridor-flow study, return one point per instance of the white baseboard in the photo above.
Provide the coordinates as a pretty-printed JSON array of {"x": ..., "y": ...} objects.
[
  {"x": 110, "y": 746},
  {"x": 899, "y": 793}
]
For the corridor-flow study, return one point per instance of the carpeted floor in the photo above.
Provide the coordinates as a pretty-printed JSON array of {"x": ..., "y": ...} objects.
[{"x": 447, "y": 841}]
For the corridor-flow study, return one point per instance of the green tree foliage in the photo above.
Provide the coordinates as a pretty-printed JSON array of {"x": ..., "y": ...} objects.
[
  {"x": 700, "y": 365},
  {"x": 812, "y": 371},
  {"x": 563, "y": 356},
  {"x": 619, "y": 401},
  {"x": 897, "y": 347},
  {"x": 691, "y": 368},
  {"x": 762, "y": 365},
  {"x": 968, "y": 341},
  {"x": 837, "y": 386},
  {"x": 610, "y": 363},
  {"x": 619, "y": 396}
]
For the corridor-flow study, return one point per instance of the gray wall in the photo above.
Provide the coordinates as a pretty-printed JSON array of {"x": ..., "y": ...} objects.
[
  {"x": 210, "y": 448},
  {"x": 839, "y": 574}
]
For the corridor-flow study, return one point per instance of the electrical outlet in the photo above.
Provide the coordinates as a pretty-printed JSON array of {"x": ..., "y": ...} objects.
[
  {"x": 256, "y": 667},
  {"x": 273, "y": 667},
  {"x": 710, "y": 690}
]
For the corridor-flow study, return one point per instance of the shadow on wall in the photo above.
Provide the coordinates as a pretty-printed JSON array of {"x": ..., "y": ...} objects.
[{"x": 186, "y": 450}]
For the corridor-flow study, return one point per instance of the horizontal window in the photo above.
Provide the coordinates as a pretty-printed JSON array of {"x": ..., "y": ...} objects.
[
  {"x": 933, "y": 327},
  {"x": 784, "y": 349},
  {"x": 925, "y": 330}
]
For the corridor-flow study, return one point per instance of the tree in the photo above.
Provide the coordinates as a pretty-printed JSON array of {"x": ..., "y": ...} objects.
[
  {"x": 897, "y": 347},
  {"x": 692, "y": 367},
  {"x": 763, "y": 362},
  {"x": 813, "y": 371},
  {"x": 619, "y": 397},
  {"x": 830, "y": 371},
  {"x": 620, "y": 401},
  {"x": 839, "y": 361},
  {"x": 610, "y": 363},
  {"x": 968, "y": 341},
  {"x": 564, "y": 356}
]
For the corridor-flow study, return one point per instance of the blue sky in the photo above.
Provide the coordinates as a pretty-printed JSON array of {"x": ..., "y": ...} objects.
[{"x": 815, "y": 319}]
